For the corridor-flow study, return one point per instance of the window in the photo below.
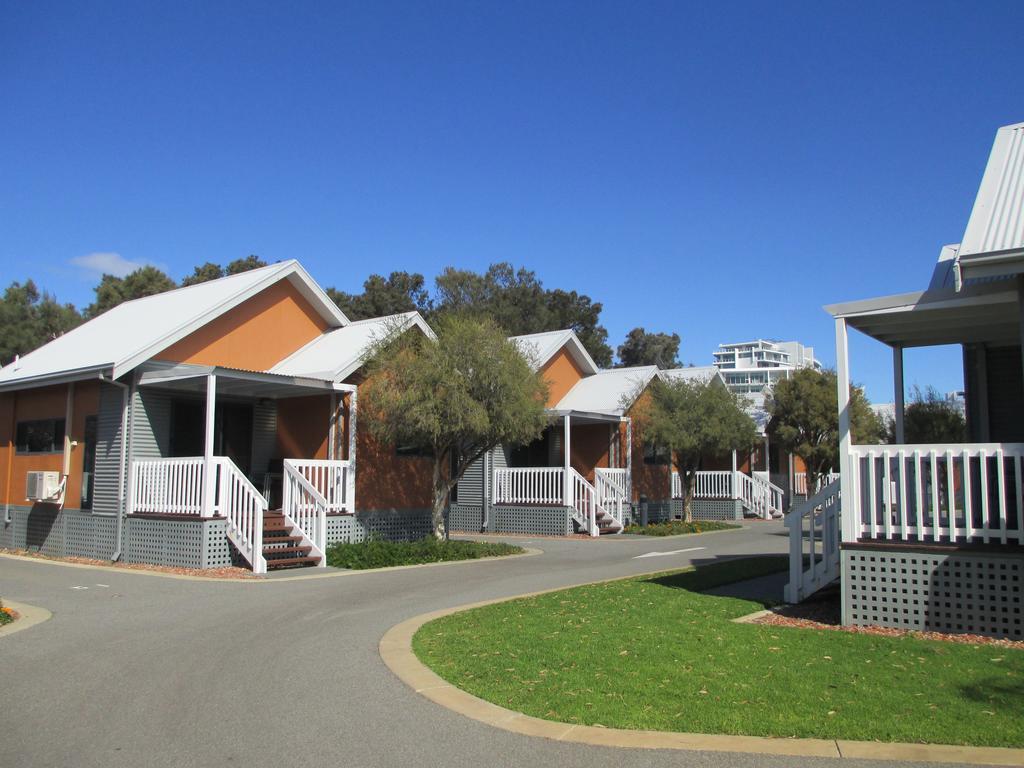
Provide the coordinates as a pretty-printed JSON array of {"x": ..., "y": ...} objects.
[
  {"x": 655, "y": 454},
  {"x": 40, "y": 436},
  {"x": 89, "y": 462},
  {"x": 413, "y": 450}
]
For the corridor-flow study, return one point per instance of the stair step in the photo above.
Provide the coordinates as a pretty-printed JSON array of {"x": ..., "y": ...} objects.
[
  {"x": 280, "y": 539},
  {"x": 292, "y": 562},
  {"x": 286, "y": 550}
]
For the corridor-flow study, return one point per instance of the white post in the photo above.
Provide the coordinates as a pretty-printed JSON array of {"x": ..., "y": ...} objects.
[
  {"x": 567, "y": 463},
  {"x": 735, "y": 484},
  {"x": 629, "y": 460},
  {"x": 850, "y": 510},
  {"x": 209, "y": 488},
  {"x": 350, "y": 476},
  {"x": 898, "y": 391}
]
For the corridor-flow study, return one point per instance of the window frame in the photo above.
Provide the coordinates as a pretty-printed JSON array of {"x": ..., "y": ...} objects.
[{"x": 57, "y": 439}]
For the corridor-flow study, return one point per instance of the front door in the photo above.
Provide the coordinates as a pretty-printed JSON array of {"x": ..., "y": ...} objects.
[{"x": 232, "y": 430}]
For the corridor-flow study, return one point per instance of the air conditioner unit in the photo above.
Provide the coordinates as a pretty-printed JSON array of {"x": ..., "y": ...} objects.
[{"x": 43, "y": 486}]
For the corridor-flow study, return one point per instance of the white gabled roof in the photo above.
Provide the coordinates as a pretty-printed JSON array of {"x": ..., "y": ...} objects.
[
  {"x": 539, "y": 348},
  {"x": 133, "y": 332},
  {"x": 611, "y": 391},
  {"x": 338, "y": 353},
  {"x": 997, "y": 220},
  {"x": 703, "y": 373}
]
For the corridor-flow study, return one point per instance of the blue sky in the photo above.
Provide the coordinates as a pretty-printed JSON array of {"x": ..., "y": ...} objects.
[{"x": 719, "y": 170}]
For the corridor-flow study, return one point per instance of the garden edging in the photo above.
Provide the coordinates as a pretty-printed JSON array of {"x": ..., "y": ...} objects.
[{"x": 28, "y": 616}]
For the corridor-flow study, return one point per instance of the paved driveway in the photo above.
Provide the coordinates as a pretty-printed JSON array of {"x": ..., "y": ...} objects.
[{"x": 137, "y": 670}]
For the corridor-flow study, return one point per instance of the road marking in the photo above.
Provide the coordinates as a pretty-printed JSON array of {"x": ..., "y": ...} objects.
[
  {"x": 79, "y": 587},
  {"x": 105, "y": 586},
  {"x": 673, "y": 552}
]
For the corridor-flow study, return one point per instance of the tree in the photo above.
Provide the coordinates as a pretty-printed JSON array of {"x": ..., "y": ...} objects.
[
  {"x": 643, "y": 348},
  {"x": 112, "y": 291},
  {"x": 931, "y": 418},
  {"x": 204, "y": 273},
  {"x": 804, "y": 420},
  {"x": 455, "y": 398},
  {"x": 693, "y": 420},
  {"x": 244, "y": 265},
  {"x": 29, "y": 319},
  {"x": 519, "y": 304},
  {"x": 398, "y": 292}
]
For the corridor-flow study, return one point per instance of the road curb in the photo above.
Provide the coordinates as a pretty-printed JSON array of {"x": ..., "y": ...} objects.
[
  {"x": 396, "y": 651},
  {"x": 529, "y": 552},
  {"x": 28, "y": 616}
]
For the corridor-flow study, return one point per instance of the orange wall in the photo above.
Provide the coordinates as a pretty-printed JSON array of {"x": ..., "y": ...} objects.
[
  {"x": 253, "y": 336},
  {"x": 385, "y": 480},
  {"x": 650, "y": 480},
  {"x": 303, "y": 427},
  {"x": 589, "y": 447},
  {"x": 561, "y": 373},
  {"x": 44, "y": 403}
]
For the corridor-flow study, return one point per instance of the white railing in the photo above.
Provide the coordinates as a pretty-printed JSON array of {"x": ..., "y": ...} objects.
[
  {"x": 167, "y": 487},
  {"x": 813, "y": 543},
  {"x": 610, "y": 488},
  {"x": 243, "y": 506},
  {"x": 305, "y": 508},
  {"x": 713, "y": 485},
  {"x": 584, "y": 503},
  {"x": 954, "y": 493},
  {"x": 529, "y": 485},
  {"x": 330, "y": 478},
  {"x": 800, "y": 482},
  {"x": 761, "y": 497}
]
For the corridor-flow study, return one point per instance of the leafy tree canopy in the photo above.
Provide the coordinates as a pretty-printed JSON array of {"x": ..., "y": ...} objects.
[
  {"x": 29, "y": 319},
  {"x": 694, "y": 420},
  {"x": 930, "y": 418},
  {"x": 455, "y": 398},
  {"x": 244, "y": 265},
  {"x": 643, "y": 348},
  {"x": 112, "y": 291},
  {"x": 382, "y": 296},
  {"x": 211, "y": 271},
  {"x": 804, "y": 411}
]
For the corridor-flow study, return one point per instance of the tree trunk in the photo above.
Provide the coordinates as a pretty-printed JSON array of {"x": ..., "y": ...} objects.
[
  {"x": 441, "y": 490},
  {"x": 688, "y": 496}
]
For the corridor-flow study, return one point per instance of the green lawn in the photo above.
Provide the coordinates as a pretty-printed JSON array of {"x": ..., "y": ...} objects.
[
  {"x": 382, "y": 554},
  {"x": 680, "y": 527},
  {"x": 654, "y": 653}
]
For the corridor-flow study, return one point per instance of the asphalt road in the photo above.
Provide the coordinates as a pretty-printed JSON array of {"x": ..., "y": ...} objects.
[{"x": 136, "y": 670}]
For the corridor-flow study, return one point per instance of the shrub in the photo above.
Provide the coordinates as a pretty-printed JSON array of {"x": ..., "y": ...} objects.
[
  {"x": 678, "y": 527},
  {"x": 377, "y": 553}
]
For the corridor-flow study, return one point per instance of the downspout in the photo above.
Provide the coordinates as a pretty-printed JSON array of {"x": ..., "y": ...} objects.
[
  {"x": 488, "y": 489},
  {"x": 10, "y": 457},
  {"x": 122, "y": 508}
]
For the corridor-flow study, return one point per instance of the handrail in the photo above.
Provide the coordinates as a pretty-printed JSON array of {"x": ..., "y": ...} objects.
[
  {"x": 822, "y": 512},
  {"x": 305, "y": 509},
  {"x": 584, "y": 502},
  {"x": 610, "y": 486},
  {"x": 242, "y": 506},
  {"x": 529, "y": 485},
  {"x": 330, "y": 478}
]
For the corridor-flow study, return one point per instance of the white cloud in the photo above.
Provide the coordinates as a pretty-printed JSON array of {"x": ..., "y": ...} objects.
[{"x": 106, "y": 262}]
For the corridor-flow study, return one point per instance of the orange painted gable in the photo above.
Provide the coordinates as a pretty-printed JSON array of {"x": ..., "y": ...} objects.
[
  {"x": 560, "y": 372},
  {"x": 256, "y": 335}
]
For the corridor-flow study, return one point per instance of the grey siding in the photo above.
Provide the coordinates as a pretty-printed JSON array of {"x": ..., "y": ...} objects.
[
  {"x": 151, "y": 425},
  {"x": 108, "y": 450}
]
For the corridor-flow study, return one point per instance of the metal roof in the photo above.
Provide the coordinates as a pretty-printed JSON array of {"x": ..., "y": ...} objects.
[
  {"x": 539, "y": 348},
  {"x": 702, "y": 373},
  {"x": 339, "y": 353},
  {"x": 131, "y": 333},
  {"x": 232, "y": 381},
  {"x": 611, "y": 391},
  {"x": 997, "y": 220}
]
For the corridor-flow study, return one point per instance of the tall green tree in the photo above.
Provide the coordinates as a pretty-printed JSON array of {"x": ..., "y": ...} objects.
[
  {"x": 455, "y": 398},
  {"x": 29, "y": 319},
  {"x": 518, "y": 303},
  {"x": 930, "y": 418},
  {"x": 693, "y": 420},
  {"x": 203, "y": 273},
  {"x": 112, "y": 290},
  {"x": 643, "y": 348},
  {"x": 382, "y": 296},
  {"x": 244, "y": 265},
  {"x": 804, "y": 420}
]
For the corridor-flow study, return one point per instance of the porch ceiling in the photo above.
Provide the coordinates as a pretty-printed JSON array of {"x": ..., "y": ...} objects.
[
  {"x": 982, "y": 313},
  {"x": 232, "y": 382},
  {"x": 587, "y": 417}
]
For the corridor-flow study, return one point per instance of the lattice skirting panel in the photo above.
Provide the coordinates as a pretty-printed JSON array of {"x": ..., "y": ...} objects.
[
  {"x": 715, "y": 509},
  {"x": 974, "y": 592},
  {"x": 541, "y": 521},
  {"x": 390, "y": 525},
  {"x": 657, "y": 512},
  {"x": 466, "y": 517},
  {"x": 73, "y": 533}
]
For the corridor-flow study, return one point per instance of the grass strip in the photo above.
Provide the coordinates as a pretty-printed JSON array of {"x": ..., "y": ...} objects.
[
  {"x": 376, "y": 553},
  {"x": 657, "y": 653}
]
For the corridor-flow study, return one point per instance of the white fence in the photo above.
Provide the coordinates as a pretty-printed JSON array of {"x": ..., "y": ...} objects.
[
  {"x": 813, "y": 543},
  {"x": 167, "y": 486},
  {"x": 584, "y": 503},
  {"x": 611, "y": 492},
  {"x": 529, "y": 485},
  {"x": 241, "y": 503},
  {"x": 305, "y": 507},
  {"x": 800, "y": 482},
  {"x": 955, "y": 493},
  {"x": 331, "y": 479}
]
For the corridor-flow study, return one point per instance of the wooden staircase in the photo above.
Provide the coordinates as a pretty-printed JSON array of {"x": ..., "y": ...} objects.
[
  {"x": 282, "y": 544},
  {"x": 606, "y": 523}
]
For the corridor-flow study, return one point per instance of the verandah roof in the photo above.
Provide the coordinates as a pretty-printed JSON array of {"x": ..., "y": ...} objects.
[{"x": 231, "y": 381}]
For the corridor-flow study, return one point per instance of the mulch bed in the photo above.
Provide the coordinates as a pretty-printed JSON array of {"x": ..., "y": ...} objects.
[
  {"x": 229, "y": 572},
  {"x": 824, "y": 612}
]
